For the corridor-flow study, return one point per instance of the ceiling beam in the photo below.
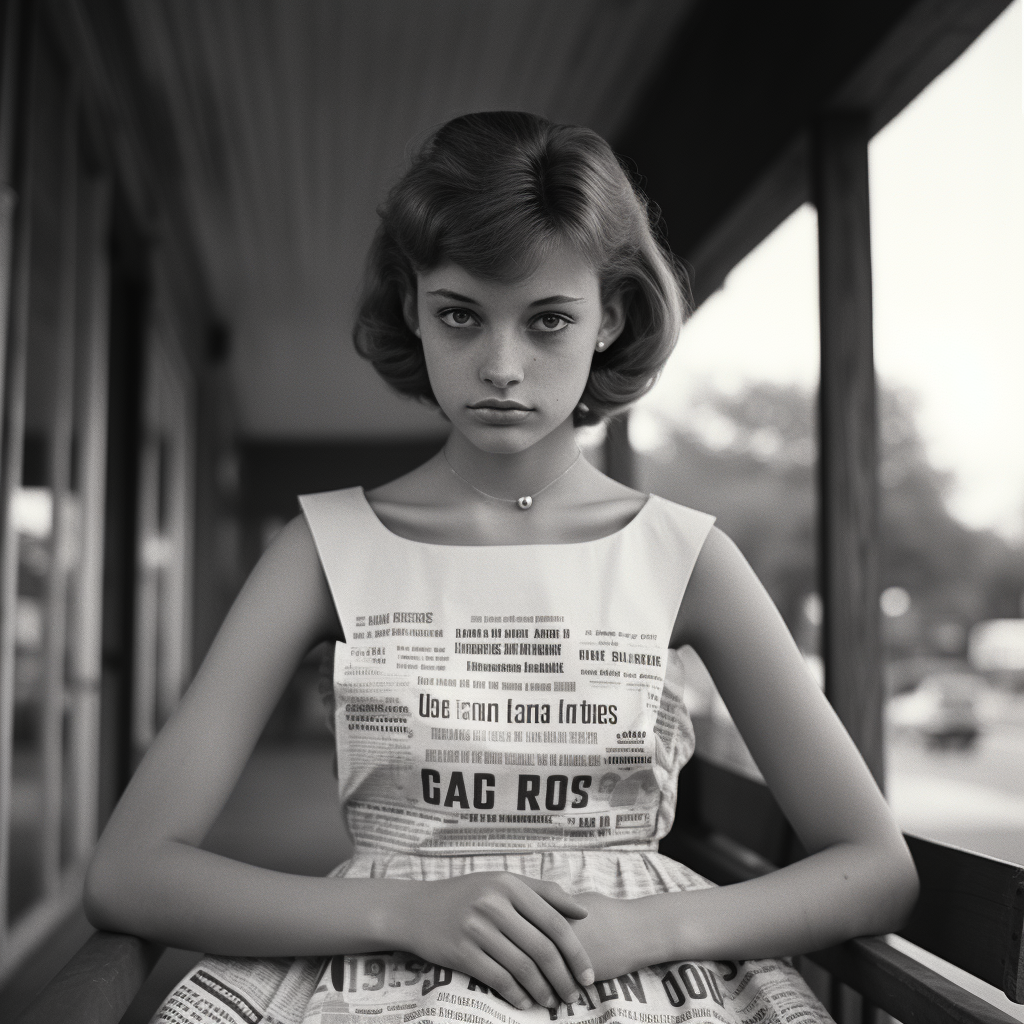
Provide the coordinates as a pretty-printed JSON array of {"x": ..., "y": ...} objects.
[{"x": 720, "y": 138}]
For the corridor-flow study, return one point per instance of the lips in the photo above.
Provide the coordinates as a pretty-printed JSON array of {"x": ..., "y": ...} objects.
[
  {"x": 499, "y": 412},
  {"x": 499, "y": 403}
]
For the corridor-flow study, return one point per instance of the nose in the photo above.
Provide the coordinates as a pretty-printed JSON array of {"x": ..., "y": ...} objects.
[{"x": 502, "y": 364}]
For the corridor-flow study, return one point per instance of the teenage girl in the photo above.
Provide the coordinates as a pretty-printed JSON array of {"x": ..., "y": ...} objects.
[{"x": 509, "y": 621}]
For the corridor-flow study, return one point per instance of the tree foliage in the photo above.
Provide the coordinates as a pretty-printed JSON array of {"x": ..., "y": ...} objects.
[{"x": 751, "y": 460}]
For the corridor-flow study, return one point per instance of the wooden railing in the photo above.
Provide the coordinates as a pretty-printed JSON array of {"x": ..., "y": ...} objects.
[
  {"x": 970, "y": 912},
  {"x": 729, "y": 828}
]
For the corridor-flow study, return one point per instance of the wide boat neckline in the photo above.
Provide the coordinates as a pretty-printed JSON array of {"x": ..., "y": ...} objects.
[{"x": 492, "y": 547}]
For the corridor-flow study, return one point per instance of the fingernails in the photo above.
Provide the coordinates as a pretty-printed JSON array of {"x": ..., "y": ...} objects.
[
  {"x": 587, "y": 977},
  {"x": 573, "y": 996},
  {"x": 551, "y": 1002},
  {"x": 526, "y": 1004}
]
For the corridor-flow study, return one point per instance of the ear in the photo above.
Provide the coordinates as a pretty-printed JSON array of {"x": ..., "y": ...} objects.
[
  {"x": 613, "y": 320},
  {"x": 409, "y": 310}
]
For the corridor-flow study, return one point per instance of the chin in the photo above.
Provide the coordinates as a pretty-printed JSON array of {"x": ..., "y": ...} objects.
[
  {"x": 501, "y": 440},
  {"x": 501, "y": 444}
]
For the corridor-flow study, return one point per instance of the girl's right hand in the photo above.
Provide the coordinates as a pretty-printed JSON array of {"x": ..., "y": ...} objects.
[{"x": 506, "y": 930}]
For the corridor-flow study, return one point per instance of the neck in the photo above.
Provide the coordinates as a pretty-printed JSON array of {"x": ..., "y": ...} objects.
[{"x": 512, "y": 474}]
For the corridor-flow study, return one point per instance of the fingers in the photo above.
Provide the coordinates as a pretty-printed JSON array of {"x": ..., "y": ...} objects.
[
  {"x": 510, "y": 935},
  {"x": 486, "y": 969},
  {"x": 557, "y": 897},
  {"x": 522, "y": 965},
  {"x": 536, "y": 961},
  {"x": 545, "y": 916}
]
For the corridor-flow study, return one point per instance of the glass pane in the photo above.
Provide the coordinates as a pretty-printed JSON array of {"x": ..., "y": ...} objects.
[
  {"x": 730, "y": 429},
  {"x": 947, "y": 181},
  {"x": 32, "y": 516},
  {"x": 161, "y": 657},
  {"x": 41, "y": 511}
]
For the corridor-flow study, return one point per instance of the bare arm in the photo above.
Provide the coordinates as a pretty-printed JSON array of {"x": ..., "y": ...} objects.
[
  {"x": 149, "y": 878},
  {"x": 146, "y": 876},
  {"x": 858, "y": 879}
]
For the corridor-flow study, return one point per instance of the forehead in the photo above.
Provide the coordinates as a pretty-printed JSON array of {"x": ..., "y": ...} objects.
[{"x": 561, "y": 272}]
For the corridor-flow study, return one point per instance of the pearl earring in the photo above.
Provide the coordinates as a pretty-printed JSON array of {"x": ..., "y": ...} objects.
[{"x": 600, "y": 346}]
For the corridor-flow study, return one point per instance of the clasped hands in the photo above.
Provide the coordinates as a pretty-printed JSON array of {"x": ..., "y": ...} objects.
[{"x": 527, "y": 939}]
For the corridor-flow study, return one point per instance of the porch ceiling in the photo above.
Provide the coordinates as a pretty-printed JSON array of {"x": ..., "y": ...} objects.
[{"x": 291, "y": 118}]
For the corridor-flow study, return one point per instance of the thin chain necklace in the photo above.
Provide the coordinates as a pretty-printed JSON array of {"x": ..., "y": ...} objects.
[{"x": 527, "y": 499}]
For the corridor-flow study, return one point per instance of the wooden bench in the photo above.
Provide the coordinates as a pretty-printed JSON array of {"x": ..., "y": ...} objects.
[
  {"x": 970, "y": 911},
  {"x": 728, "y": 828}
]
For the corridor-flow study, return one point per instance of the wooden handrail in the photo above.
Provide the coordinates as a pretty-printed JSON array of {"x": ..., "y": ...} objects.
[
  {"x": 970, "y": 913},
  {"x": 97, "y": 984},
  {"x": 971, "y": 909},
  {"x": 903, "y": 986},
  {"x": 883, "y": 975}
]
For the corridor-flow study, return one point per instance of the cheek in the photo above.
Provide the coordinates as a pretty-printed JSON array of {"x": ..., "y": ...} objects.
[
  {"x": 570, "y": 374},
  {"x": 442, "y": 368}
]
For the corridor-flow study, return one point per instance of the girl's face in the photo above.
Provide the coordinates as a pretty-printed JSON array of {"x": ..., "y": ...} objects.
[{"x": 508, "y": 362}]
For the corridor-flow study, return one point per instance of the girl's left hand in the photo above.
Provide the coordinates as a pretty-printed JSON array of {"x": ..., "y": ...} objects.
[{"x": 616, "y": 934}]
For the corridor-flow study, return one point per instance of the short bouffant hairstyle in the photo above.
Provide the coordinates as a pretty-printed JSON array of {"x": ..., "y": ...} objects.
[{"x": 492, "y": 193}]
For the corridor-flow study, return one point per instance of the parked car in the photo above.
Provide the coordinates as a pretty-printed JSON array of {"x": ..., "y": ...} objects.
[{"x": 942, "y": 708}]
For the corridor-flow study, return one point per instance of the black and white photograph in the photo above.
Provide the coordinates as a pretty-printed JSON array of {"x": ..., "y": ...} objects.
[{"x": 511, "y": 512}]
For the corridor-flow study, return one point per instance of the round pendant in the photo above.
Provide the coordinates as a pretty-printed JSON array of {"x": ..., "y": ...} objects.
[{"x": 525, "y": 502}]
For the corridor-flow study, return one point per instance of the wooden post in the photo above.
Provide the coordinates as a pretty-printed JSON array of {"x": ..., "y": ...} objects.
[
  {"x": 12, "y": 437},
  {"x": 147, "y": 576},
  {"x": 54, "y": 697},
  {"x": 85, "y": 613},
  {"x": 848, "y": 506},
  {"x": 620, "y": 459}
]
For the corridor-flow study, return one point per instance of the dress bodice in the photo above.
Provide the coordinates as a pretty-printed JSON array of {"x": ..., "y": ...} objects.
[
  {"x": 503, "y": 709},
  {"x": 507, "y": 698}
]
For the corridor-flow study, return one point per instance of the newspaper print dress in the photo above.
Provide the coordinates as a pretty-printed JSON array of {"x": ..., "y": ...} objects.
[{"x": 513, "y": 709}]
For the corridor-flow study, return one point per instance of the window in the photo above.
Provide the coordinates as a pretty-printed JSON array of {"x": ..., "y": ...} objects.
[{"x": 53, "y": 493}]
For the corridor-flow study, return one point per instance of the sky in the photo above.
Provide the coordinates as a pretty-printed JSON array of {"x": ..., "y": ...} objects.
[{"x": 947, "y": 224}]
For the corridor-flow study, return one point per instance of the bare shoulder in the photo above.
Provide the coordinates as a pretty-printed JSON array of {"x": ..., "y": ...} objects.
[
  {"x": 289, "y": 583},
  {"x": 723, "y": 592},
  {"x": 292, "y": 545},
  {"x": 720, "y": 560}
]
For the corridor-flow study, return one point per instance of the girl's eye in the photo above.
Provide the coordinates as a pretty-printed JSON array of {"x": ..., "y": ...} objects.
[
  {"x": 458, "y": 318},
  {"x": 549, "y": 323}
]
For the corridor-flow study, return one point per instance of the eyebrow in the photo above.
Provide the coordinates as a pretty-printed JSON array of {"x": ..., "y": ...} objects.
[
  {"x": 455, "y": 296},
  {"x": 446, "y": 294},
  {"x": 555, "y": 299}
]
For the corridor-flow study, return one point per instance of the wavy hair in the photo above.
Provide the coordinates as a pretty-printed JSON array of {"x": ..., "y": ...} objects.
[{"x": 493, "y": 193}]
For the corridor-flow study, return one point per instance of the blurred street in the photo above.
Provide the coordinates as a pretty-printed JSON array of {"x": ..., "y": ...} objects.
[{"x": 972, "y": 798}]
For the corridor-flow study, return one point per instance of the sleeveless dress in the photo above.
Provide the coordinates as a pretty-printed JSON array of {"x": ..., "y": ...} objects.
[{"x": 503, "y": 708}]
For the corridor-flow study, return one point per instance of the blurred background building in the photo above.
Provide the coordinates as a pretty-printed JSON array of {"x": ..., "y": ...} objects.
[{"x": 187, "y": 190}]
